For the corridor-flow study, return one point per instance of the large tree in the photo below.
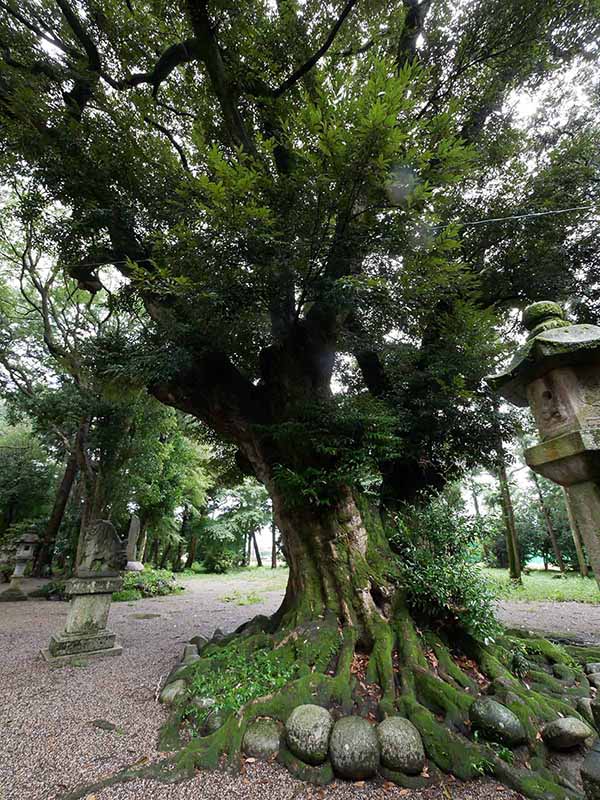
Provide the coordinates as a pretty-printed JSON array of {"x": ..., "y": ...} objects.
[{"x": 276, "y": 183}]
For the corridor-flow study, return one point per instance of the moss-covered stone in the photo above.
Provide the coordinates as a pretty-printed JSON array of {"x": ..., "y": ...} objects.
[
  {"x": 354, "y": 748},
  {"x": 401, "y": 746},
  {"x": 308, "y": 729},
  {"x": 565, "y": 733},
  {"x": 262, "y": 738},
  {"x": 496, "y": 722}
]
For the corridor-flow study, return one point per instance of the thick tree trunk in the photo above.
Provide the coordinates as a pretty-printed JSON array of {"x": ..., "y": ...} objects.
[
  {"x": 549, "y": 525},
  {"x": 43, "y": 557},
  {"x": 337, "y": 565}
]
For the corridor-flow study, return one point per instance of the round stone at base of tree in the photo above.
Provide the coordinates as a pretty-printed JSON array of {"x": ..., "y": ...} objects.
[
  {"x": 401, "y": 745},
  {"x": 172, "y": 691},
  {"x": 496, "y": 722},
  {"x": 594, "y": 679},
  {"x": 262, "y": 738},
  {"x": 590, "y": 772},
  {"x": 307, "y": 732},
  {"x": 354, "y": 748},
  {"x": 565, "y": 733}
]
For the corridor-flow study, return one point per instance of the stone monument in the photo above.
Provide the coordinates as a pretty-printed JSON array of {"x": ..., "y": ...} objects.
[
  {"x": 96, "y": 578},
  {"x": 133, "y": 565},
  {"x": 557, "y": 374},
  {"x": 24, "y": 554}
]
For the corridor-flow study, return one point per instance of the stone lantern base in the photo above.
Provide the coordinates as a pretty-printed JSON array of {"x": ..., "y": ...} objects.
[
  {"x": 85, "y": 632},
  {"x": 14, "y": 593},
  {"x": 134, "y": 566}
]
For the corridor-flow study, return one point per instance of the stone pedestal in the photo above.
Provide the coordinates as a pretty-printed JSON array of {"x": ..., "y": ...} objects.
[
  {"x": 133, "y": 565},
  {"x": 85, "y": 633},
  {"x": 101, "y": 556}
]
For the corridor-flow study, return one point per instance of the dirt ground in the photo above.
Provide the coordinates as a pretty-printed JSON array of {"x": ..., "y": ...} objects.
[{"x": 53, "y": 732}]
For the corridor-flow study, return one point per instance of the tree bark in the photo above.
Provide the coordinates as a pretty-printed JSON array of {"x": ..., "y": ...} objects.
[
  {"x": 43, "y": 556},
  {"x": 549, "y": 525},
  {"x": 336, "y": 565}
]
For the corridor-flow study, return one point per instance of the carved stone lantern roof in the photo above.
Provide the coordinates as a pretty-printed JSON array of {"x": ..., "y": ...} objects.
[{"x": 552, "y": 343}]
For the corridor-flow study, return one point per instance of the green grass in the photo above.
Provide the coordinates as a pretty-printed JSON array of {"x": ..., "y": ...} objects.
[
  {"x": 269, "y": 579},
  {"x": 539, "y": 585},
  {"x": 241, "y": 599}
]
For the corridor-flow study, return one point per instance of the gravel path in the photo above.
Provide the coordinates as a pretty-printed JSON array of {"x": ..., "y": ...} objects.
[
  {"x": 577, "y": 621},
  {"x": 49, "y": 743}
]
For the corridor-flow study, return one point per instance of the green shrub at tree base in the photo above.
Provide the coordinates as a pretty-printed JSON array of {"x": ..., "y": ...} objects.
[{"x": 437, "y": 543}]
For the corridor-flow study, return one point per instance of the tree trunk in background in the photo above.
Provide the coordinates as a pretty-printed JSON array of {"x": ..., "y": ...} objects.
[
  {"x": 583, "y": 567},
  {"x": 508, "y": 514},
  {"x": 143, "y": 541},
  {"x": 256, "y": 550},
  {"x": 165, "y": 556},
  {"x": 273, "y": 545},
  {"x": 549, "y": 525},
  {"x": 514, "y": 560},
  {"x": 247, "y": 550},
  {"x": 177, "y": 563},
  {"x": 44, "y": 553},
  {"x": 154, "y": 552},
  {"x": 479, "y": 518},
  {"x": 191, "y": 556}
]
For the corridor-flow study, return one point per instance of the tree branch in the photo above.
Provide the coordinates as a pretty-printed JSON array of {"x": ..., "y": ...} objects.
[{"x": 318, "y": 55}]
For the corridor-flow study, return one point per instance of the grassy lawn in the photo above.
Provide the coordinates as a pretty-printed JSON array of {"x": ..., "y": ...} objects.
[
  {"x": 267, "y": 579},
  {"x": 539, "y": 585}
]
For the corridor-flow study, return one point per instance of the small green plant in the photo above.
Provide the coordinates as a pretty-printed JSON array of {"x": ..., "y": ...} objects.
[
  {"x": 235, "y": 675},
  {"x": 504, "y": 753},
  {"x": 126, "y": 595}
]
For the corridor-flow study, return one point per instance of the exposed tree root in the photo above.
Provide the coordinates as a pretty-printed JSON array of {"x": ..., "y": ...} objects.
[{"x": 418, "y": 676}]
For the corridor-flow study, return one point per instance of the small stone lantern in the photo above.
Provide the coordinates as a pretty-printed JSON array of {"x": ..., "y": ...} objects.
[
  {"x": 557, "y": 374},
  {"x": 25, "y": 550}
]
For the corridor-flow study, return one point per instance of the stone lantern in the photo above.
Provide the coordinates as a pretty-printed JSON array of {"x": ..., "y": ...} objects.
[
  {"x": 557, "y": 374},
  {"x": 24, "y": 554},
  {"x": 101, "y": 556}
]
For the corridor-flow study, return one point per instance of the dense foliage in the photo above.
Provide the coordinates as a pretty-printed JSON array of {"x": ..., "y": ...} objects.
[{"x": 439, "y": 548}]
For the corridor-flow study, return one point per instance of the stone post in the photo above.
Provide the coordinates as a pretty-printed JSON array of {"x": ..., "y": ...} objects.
[
  {"x": 557, "y": 374},
  {"x": 25, "y": 548},
  {"x": 96, "y": 578},
  {"x": 133, "y": 565}
]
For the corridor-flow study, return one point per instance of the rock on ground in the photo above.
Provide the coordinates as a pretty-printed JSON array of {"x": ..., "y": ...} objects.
[
  {"x": 496, "y": 722},
  {"x": 307, "y": 731},
  {"x": 354, "y": 748},
  {"x": 565, "y": 733},
  {"x": 401, "y": 745}
]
